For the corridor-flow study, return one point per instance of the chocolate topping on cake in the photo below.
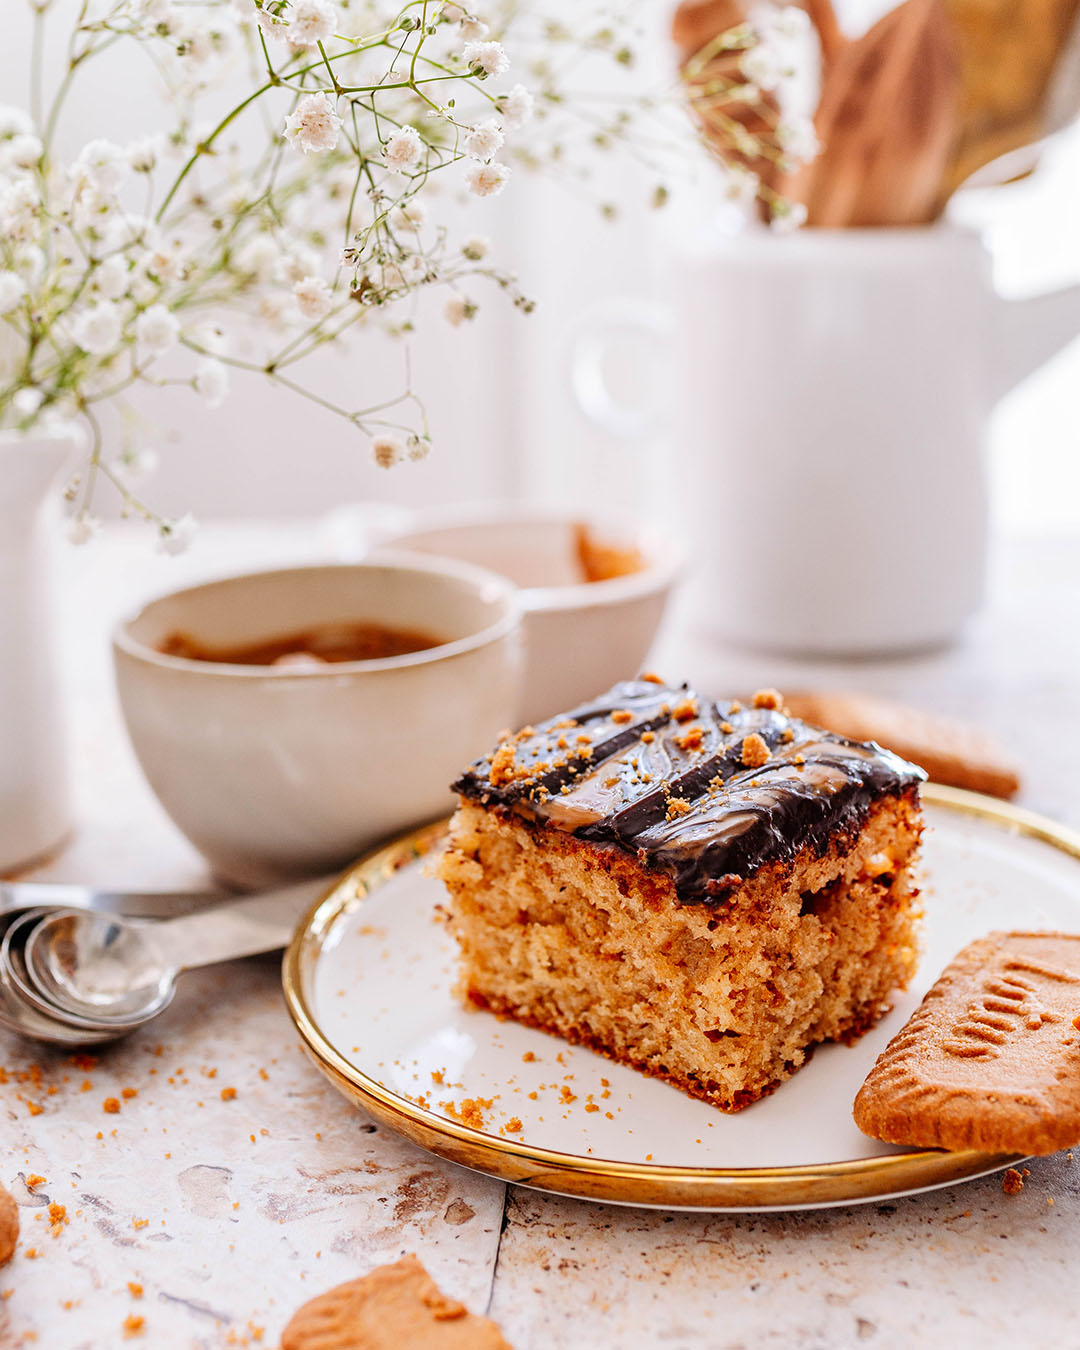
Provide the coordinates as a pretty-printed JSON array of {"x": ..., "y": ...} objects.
[{"x": 664, "y": 774}]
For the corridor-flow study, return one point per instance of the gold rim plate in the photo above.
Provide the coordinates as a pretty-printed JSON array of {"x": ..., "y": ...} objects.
[{"x": 641, "y": 1184}]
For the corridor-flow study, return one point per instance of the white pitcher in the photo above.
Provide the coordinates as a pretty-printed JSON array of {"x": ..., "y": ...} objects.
[
  {"x": 829, "y": 396},
  {"x": 35, "y": 788}
]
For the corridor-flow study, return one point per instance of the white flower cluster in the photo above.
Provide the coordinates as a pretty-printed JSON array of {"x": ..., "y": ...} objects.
[
  {"x": 131, "y": 264},
  {"x": 315, "y": 125}
]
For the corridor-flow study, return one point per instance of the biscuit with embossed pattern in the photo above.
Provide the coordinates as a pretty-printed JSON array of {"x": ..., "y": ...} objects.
[
  {"x": 9, "y": 1226},
  {"x": 950, "y": 752},
  {"x": 394, "y": 1307},
  {"x": 990, "y": 1060}
]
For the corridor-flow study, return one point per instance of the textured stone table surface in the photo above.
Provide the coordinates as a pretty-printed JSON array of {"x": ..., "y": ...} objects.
[{"x": 233, "y": 1183}]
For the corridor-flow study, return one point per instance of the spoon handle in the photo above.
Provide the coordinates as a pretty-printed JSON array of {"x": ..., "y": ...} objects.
[
  {"x": 20, "y": 895},
  {"x": 259, "y": 923}
]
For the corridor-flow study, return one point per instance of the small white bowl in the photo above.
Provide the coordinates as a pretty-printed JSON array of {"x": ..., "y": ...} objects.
[
  {"x": 274, "y": 772},
  {"x": 580, "y": 637}
]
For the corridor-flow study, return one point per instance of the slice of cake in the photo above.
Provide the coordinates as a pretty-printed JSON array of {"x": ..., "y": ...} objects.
[{"x": 702, "y": 891}]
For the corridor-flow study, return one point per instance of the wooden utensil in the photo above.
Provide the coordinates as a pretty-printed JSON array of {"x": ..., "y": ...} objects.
[
  {"x": 886, "y": 123},
  {"x": 1018, "y": 81}
]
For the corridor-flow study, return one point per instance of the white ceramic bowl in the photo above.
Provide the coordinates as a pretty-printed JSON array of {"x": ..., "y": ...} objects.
[
  {"x": 276, "y": 772},
  {"x": 580, "y": 637}
]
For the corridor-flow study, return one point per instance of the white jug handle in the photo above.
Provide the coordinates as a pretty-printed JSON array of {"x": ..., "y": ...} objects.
[
  {"x": 349, "y": 533},
  {"x": 588, "y": 358}
]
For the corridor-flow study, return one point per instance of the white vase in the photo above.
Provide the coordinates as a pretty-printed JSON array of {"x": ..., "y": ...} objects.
[
  {"x": 35, "y": 785},
  {"x": 829, "y": 394}
]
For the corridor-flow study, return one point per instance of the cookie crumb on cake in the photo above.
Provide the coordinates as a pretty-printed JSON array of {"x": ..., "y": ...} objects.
[{"x": 755, "y": 752}]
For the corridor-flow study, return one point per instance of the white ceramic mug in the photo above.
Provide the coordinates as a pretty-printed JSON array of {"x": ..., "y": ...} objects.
[
  {"x": 580, "y": 637},
  {"x": 274, "y": 772},
  {"x": 830, "y": 392}
]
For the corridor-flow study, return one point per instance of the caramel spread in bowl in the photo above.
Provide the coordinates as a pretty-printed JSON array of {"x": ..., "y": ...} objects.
[{"x": 324, "y": 643}]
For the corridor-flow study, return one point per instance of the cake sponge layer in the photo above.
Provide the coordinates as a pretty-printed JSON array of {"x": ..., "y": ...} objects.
[{"x": 723, "y": 1000}]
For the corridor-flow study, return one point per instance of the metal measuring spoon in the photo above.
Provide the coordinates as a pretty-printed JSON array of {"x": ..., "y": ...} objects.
[
  {"x": 117, "y": 972},
  {"x": 19, "y": 1016},
  {"x": 21, "y": 986}
]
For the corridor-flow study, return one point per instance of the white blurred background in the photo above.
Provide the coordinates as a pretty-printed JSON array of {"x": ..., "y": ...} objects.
[{"x": 503, "y": 416}]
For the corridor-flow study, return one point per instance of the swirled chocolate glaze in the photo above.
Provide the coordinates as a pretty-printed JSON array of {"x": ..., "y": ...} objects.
[{"x": 705, "y": 792}]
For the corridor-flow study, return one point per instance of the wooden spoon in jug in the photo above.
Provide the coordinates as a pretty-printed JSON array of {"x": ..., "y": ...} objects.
[{"x": 886, "y": 123}]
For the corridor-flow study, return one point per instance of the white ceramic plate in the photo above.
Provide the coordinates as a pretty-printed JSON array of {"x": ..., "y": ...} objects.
[{"x": 369, "y": 983}]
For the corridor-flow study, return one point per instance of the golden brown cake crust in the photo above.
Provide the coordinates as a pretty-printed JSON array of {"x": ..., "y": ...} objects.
[
  {"x": 990, "y": 1060},
  {"x": 394, "y": 1307}
]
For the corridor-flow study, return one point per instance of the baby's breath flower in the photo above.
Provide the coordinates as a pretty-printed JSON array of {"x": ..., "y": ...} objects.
[
  {"x": 790, "y": 23},
  {"x": 20, "y": 209},
  {"x": 457, "y": 310},
  {"x": 516, "y": 107},
  {"x": 416, "y": 268},
  {"x": 310, "y": 22},
  {"x": 315, "y": 125},
  {"x": 27, "y": 401},
  {"x": 142, "y": 155},
  {"x": 23, "y": 151},
  {"x": 486, "y": 58},
  {"x": 764, "y": 66},
  {"x": 787, "y": 216},
  {"x": 267, "y": 19},
  {"x": 419, "y": 447},
  {"x": 164, "y": 263},
  {"x": 113, "y": 277},
  {"x": 486, "y": 180},
  {"x": 740, "y": 185},
  {"x": 82, "y": 528},
  {"x": 484, "y": 140},
  {"x": 299, "y": 262},
  {"x": 135, "y": 466},
  {"x": 103, "y": 165},
  {"x": 476, "y": 247},
  {"x": 30, "y": 262},
  {"x": 387, "y": 451},
  {"x": 313, "y": 297},
  {"x": 175, "y": 536},
  {"x": 203, "y": 39},
  {"x": 14, "y": 122},
  {"x": 157, "y": 330},
  {"x": 797, "y": 138},
  {"x": 12, "y": 290},
  {"x": 403, "y": 149},
  {"x": 274, "y": 310},
  {"x": 473, "y": 30},
  {"x": 259, "y": 257},
  {"x": 211, "y": 381},
  {"x": 98, "y": 329},
  {"x": 143, "y": 289},
  {"x": 153, "y": 10}
]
